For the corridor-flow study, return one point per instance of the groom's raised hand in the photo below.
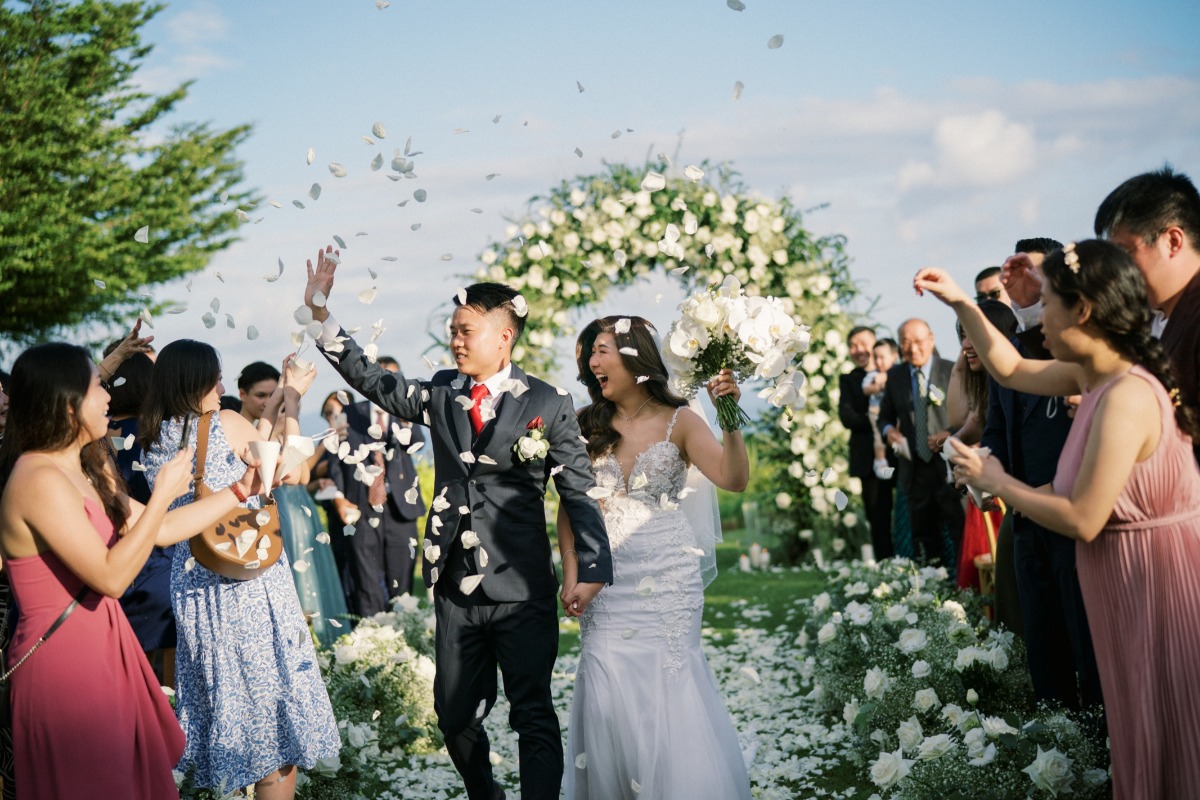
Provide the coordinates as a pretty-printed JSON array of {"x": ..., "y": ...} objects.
[{"x": 320, "y": 282}]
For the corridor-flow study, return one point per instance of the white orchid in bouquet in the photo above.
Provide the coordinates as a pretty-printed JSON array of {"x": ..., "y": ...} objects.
[{"x": 724, "y": 328}]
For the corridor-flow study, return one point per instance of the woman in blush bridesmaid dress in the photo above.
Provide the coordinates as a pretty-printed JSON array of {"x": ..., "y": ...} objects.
[
  {"x": 1127, "y": 490},
  {"x": 89, "y": 718}
]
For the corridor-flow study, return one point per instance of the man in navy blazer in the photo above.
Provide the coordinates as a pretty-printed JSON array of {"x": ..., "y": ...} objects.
[
  {"x": 913, "y": 413},
  {"x": 382, "y": 549},
  {"x": 487, "y": 553},
  {"x": 1026, "y": 433}
]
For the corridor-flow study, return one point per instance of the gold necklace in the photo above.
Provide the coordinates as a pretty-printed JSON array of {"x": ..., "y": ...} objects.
[{"x": 632, "y": 416}]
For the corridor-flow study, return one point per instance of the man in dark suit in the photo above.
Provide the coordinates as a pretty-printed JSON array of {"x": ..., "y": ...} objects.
[
  {"x": 487, "y": 554},
  {"x": 853, "y": 408},
  {"x": 913, "y": 413},
  {"x": 1026, "y": 433},
  {"x": 1155, "y": 217},
  {"x": 382, "y": 507}
]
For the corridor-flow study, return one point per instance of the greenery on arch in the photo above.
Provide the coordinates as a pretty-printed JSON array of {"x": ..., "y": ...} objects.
[{"x": 596, "y": 232}]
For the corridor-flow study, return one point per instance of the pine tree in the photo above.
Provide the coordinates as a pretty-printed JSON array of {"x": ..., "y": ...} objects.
[{"x": 84, "y": 164}]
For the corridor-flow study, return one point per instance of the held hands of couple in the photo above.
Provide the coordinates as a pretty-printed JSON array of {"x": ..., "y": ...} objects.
[
  {"x": 320, "y": 282},
  {"x": 576, "y": 597}
]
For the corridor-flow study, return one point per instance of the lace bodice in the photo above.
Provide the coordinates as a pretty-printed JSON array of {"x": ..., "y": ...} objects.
[
  {"x": 658, "y": 472},
  {"x": 657, "y": 477}
]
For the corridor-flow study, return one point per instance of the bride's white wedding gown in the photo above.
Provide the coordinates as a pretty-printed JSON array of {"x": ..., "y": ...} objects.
[{"x": 647, "y": 720}]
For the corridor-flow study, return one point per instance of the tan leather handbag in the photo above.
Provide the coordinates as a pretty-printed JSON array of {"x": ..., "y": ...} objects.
[{"x": 247, "y": 541}]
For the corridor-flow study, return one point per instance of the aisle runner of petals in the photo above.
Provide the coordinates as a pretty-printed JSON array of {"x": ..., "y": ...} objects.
[{"x": 888, "y": 684}]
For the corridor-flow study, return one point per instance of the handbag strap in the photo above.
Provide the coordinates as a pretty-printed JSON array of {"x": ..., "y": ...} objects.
[
  {"x": 203, "y": 426},
  {"x": 61, "y": 619}
]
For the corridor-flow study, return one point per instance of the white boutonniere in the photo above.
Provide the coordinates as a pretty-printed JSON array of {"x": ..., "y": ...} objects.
[
  {"x": 533, "y": 446},
  {"x": 936, "y": 396}
]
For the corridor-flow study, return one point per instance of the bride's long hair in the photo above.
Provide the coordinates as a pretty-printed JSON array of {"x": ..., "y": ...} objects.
[{"x": 595, "y": 420}]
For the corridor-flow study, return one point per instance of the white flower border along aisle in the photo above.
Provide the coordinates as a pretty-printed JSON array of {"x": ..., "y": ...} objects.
[
  {"x": 599, "y": 231},
  {"x": 940, "y": 704}
]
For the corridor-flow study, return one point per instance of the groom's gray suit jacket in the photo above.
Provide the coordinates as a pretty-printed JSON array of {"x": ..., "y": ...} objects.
[{"x": 504, "y": 497}]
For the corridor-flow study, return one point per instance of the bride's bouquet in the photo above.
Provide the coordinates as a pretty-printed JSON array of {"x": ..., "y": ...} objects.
[{"x": 723, "y": 328}]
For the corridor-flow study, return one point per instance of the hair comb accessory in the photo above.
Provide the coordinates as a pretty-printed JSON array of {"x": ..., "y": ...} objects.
[
  {"x": 1071, "y": 257},
  {"x": 1174, "y": 395}
]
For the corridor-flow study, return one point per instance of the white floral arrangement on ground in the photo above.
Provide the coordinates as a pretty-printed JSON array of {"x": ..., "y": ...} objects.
[
  {"x": 754, "y": 336},
  {"x": 596, "y": 232},
  {"x": 939, "y": 701},
  {"x": 380, "y": 681}
]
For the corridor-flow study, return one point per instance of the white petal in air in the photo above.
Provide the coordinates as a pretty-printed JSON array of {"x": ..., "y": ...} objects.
[
  {"x": 738, "y": 86},
  {"x": 420, "y": 195},
  {"x": 520, "y": 306},
  {"x": 367, "y": 296},
  {"x": 467, "y": 457},
  {"x": 310, "y": 156},
  {"x": 775, "y": 42},
  {"x": 581, "y": 761},
  {"x": 693, "y": 173},
  {"x": 467, "y": 585},
  {"x": 377, "y": 162},
  {"x": 629, "y": 351},
  {"x": 99, "y": 283},
  {"x": 379, "y": 130},
  {"x": 337, "y": 170},
  {"x": 598, "y": 492},
  {"x": 142, "y": 235},
  {"x": 653, "y": 182},
  {"x": 483, "y": 459},
  {"x": 736, "y": 5},
  {"x": 623, "y": 325},
  {"x": 840, "y": 500}
]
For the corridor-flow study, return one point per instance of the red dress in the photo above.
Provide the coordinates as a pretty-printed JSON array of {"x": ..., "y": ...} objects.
[
  {"x": 975, "y": 542},
  {"x": 89, "y": 718}
]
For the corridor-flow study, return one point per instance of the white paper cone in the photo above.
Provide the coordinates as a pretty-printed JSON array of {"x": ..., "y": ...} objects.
[
  {"x": 297, "y": 451},
  {"x": 267, "y": 454}
]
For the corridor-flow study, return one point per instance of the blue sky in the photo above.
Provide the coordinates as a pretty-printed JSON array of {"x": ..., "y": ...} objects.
[{"x": 937, "y": 132}]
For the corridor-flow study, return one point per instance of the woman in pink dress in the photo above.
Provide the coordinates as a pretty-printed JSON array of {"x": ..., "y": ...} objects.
[
  {"x": 1127, "y": 490},
  {"x": 89, "y": 718}
]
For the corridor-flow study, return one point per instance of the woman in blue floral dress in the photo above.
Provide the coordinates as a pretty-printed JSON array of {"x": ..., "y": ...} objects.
[{"x": 249, "y": 692}]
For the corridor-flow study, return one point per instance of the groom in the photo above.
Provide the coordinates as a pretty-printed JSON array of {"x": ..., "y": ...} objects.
[{"x": 487, "y": 555}]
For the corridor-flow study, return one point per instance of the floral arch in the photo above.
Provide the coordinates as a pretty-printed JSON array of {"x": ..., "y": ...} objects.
[{"x": 608, "y": 230}]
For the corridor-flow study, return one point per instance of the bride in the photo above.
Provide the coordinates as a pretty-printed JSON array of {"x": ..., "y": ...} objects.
[{"x": 647, "y": 718}]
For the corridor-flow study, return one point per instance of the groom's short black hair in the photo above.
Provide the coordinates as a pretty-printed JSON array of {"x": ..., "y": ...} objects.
[{"x": 487, "y": 297}]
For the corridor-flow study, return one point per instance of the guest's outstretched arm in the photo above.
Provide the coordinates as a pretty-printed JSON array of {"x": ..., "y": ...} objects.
[
  {"x": 1124, "y": 430},
  {"x": 999, "y": 357}
]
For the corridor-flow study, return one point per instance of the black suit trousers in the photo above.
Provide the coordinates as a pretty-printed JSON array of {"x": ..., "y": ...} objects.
[
  {"x": 1058, "y": 641},
  {"x": 932, "y": 502},
  {"x": 381, "y": 559},
  {"x": 473, "y": 637},
  {"x": 877, "y": 501}
]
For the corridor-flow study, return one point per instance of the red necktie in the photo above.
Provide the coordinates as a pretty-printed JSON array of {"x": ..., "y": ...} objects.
[{"x": 478, "y": 392}]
